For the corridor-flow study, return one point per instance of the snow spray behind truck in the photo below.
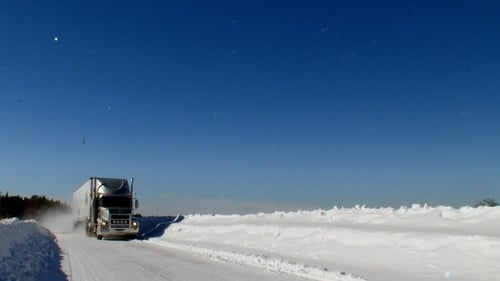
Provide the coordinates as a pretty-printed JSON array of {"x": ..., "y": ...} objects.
[{"x": 106, "y": 207}]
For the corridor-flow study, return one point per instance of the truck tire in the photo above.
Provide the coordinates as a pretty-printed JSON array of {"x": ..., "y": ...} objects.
[
  {"x": 99, "y": 237},
  {"x": 87, "y": 230}
]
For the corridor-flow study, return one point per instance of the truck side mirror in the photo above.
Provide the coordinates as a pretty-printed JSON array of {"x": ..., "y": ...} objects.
[{"x": 136, "y": 203}]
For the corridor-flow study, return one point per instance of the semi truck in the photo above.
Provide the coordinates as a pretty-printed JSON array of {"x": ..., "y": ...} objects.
[{"x": 106, "y": 206}]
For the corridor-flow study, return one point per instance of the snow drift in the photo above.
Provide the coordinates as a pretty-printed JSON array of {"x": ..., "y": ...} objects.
[
  {"x": 415, "y": 243},
  {"x": 28, "y": 252}
]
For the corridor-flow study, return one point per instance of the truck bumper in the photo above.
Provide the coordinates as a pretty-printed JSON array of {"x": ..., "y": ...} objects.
[{"x": 123, "y": 231}]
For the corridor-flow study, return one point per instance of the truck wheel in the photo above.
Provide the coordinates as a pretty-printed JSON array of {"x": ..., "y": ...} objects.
[
  {"x": 87, "y": 230},
  {"x": 99, "y": 237}
]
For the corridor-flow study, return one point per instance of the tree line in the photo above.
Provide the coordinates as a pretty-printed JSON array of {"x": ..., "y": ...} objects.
[
  {"x": 490, "y": 202},
  {"x": 29, "y": 207}
]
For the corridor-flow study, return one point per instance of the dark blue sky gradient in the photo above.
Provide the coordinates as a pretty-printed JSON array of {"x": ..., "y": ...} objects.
[{"x": 287, "y": 103}]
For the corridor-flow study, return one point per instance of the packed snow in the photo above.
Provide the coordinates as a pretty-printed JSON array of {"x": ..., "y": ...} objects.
[{"x": 342, "y": 244}]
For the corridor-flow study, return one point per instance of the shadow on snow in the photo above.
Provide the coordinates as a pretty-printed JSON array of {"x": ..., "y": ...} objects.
[
  {"x": 54, "y": 271},
  {"x": 150, "y": 227}
]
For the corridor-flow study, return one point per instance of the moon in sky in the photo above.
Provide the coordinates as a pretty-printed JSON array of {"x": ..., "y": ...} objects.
[{"x": 56, "y": 39}]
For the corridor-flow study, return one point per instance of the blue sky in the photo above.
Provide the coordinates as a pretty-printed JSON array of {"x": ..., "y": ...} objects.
[{"x": 237, "y": 106}]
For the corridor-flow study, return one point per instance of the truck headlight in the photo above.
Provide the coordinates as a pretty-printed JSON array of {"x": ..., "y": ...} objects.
[
  {"x": 135, "y": 224},
  {"x": 103, "y": 223}
]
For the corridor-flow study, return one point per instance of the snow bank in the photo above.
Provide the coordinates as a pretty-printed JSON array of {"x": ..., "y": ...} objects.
[
  {"x": 409, "y": 243},
  {"x": 28, "y": 252}
]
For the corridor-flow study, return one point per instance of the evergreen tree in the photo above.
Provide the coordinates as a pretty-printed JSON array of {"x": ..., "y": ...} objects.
[
  {"x": 26, "y": 208},
  {"x": 487, "y": 202}
]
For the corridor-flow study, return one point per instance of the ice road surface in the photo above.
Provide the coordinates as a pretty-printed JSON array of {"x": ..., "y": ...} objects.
[{"x": 354, "y": 244}]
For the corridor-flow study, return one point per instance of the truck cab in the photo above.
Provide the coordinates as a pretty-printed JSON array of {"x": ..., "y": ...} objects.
[{"x": 115, "y": 207}]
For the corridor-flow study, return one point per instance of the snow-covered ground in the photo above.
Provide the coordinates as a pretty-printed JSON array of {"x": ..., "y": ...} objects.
[
  {"x": 352, "y": 244},
  {"x": 28, "y": 252},
  {"x": 415, "y": 243}
]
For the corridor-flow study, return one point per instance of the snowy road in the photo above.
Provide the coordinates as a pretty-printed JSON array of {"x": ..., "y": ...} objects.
[{"x": 89, "y": 259}]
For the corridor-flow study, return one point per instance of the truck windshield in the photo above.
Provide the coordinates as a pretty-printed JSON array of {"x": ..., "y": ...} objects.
[{"x": 121, "y": 202}]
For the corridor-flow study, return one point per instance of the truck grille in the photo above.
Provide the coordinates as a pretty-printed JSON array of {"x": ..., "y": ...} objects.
[{"x": 120, "y": 221}]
